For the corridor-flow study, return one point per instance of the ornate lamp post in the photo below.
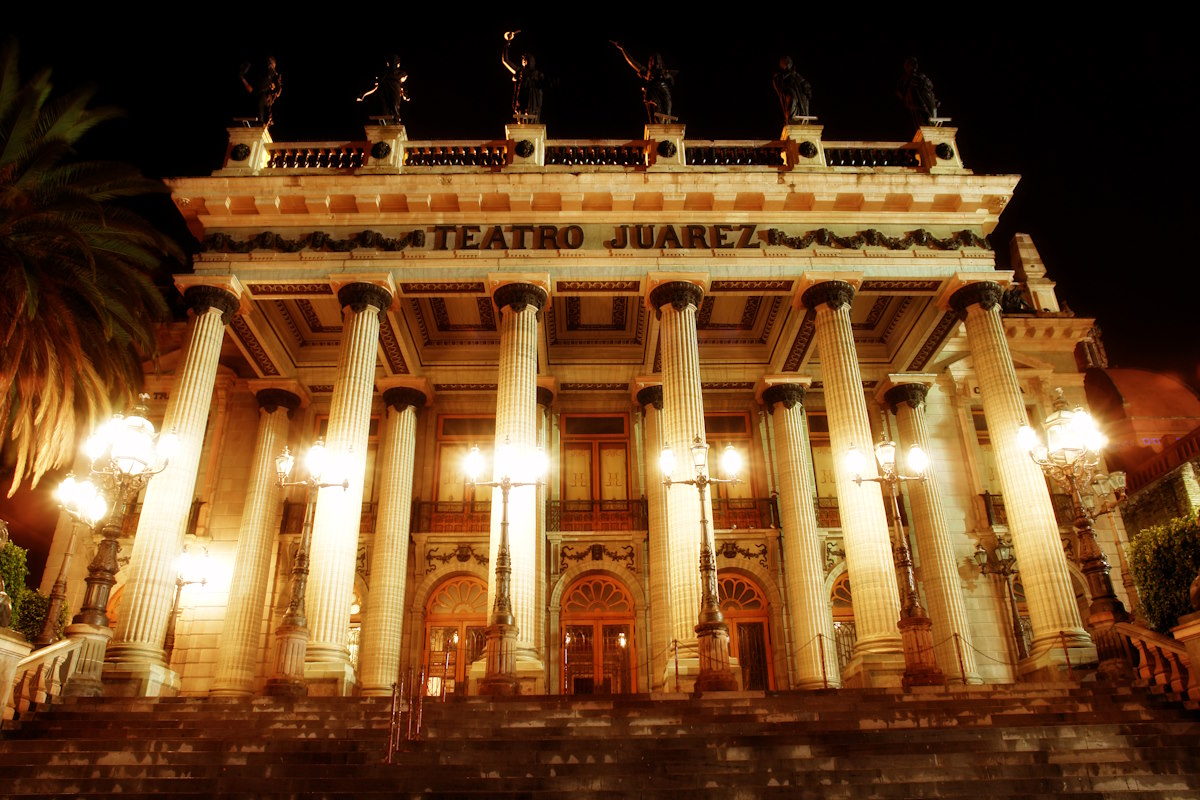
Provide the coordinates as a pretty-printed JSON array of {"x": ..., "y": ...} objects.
[
  {"x": 916, "y": 629},
  {"x": 87, "y": 506},
  {"x": 291, "y": 637},
  {"x": 500, "y": 673},
  {"x": 711, "y": 631},
  {"x": 1006, "y": 567},
  {"x": 125, "y": 454},
  {"x": 192, "y": 569},
  {"x": 1071, "y": 458}
]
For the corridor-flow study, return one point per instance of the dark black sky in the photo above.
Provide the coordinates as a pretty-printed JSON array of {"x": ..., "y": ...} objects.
[{"x": 1095, "y": 114}]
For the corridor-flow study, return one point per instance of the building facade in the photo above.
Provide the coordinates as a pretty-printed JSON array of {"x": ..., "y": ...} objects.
[{"x": 405, "y": 301}]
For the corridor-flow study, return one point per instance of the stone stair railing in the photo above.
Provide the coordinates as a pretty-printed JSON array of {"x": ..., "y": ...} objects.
[
  {"x": 1162, "y": 661},
  {"x": 42, "y": 674}
]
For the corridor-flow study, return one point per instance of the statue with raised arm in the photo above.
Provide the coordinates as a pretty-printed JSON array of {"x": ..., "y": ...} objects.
[
  {"x": 915, "y": 90},
  {"x": 266, "y": 89},
  {"x": 657, "y": 81},
  {"x": 527, "y": 83},
  {"x": 389, "y": 90},
  {"x": 794, "y": 92}
]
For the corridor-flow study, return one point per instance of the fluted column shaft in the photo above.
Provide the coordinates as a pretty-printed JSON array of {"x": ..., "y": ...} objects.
[
  {"x": 337, "y": 517},
  {"x": 382, "y": 628},
  {"x": 683, "y": 420},
  {"x": 238, "y": 651},
  {"x": 1044, "y": 573},
  {"x": 812, "y": 624},
  {"x": 939, "y": 568},
  {"x": 516, "y": 422},
  {"x": 660, "y": 552},
  {"x": 864, "y": 524},
  {"x": 150, "y": 588}
]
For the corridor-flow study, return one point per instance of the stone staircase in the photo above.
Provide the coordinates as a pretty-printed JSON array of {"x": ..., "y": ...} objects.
[{"x": 1094, "y": 740}]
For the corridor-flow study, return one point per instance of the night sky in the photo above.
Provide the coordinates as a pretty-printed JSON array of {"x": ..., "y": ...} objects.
[{"x": 1094, "y": 114}]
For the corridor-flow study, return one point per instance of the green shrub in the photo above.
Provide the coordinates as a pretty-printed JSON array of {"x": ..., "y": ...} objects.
[
  {"x": 14, "y": 570},
  {"x": 29, "y": 617},
  {"x": 1164, "y": 560}
]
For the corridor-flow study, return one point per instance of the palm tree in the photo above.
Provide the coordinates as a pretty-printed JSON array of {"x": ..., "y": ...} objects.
[{"x": 77, "y": 302}]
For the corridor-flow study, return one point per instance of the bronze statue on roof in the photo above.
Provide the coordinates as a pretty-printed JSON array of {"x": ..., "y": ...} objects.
[{"x": 657, "y": 81}]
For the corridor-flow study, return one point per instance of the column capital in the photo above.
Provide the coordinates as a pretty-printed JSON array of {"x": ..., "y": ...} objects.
[
  {"x": 968, "y": 288},
  {"x": 910, "y": 394},
  {"x": 292, "y": 387},
  {"x": 651, "y": 396},
  {"x": 833, "y": 293},
  {"x": 678, "y": 294},
  {"x": 401, "y": 392},
  {"x": 545, "y": 396},
  {"x": 358, "y": 296},
  {"x": 272, "y": 399},
  {"x": 768, "y": 382},
  {"x": 904, "y": 387},
  {"x": 517, "y": 296},
  {"x": 789, "y": 394},
  {"x": 201, "y": 297},
  {"x": 401, "y": 397}
]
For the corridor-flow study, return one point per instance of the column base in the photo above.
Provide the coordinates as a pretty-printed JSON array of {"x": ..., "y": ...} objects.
[
  {"x": 140, "y": 679},
  {"x": 874, "y": 670},
  {"x": 531, "y": 672},
  {"x": 1056, "y": 658},
  {"x": 86, "y": 681},
  {"x": 1112, "y": 649},
  {"x": 329, "y": 679},
  {"x": 13, "y": 648},
  {"x": 288, "y": 688}
]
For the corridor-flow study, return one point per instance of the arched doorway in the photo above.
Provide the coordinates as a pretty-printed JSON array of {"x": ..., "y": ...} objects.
[
  {"x": 455, "y": 620},
  {"x": 597, "y": 637},
  {"x": 745, "y": 609}
]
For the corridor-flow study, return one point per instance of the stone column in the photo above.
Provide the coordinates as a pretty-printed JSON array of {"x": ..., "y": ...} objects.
[
  {"x": 382, "y": 628},
  {"x": 1044, "y": 574},
  {"x": 239, "y": 649},
  {"x": 704, "y": 647},
  {"x": 815, "y": 649},
  {"x": 337, "y": 517},
  {"x": 877, "y": 655},
  {"x": 520, "y": 306},
  {"x": 651, "y": 399},
  {"x": 134, "y": 662},
  {"x": 939, "y": 567}
]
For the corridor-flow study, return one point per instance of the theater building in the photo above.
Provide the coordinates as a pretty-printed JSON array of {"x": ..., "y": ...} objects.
[{"x": 407, "y": 300}]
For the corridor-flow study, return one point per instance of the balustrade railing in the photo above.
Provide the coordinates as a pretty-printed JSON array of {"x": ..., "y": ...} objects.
[
  {"x": 41, "y": 675},
  {"x": 598, "y": 154},
  {"x": 452, "y": 517},
  {"x": 596, "y": 515},
  {"x": 492, "y": 155},
  {"x": 872, "y": 154},
  {"x": 749, "y": 512},
  {"x": 993, "y": 506},
  {"x": 1162, "y": 661},
  {"x": 828, "y": 515},
  {"x": 741, "y": 154},
  {"x": 293, "y": 517},
  {"x": 1174, "y": 454},
  {"x": 317, "y": 155}
]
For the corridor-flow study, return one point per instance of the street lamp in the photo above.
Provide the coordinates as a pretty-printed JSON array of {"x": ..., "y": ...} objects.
[
  {"x": 291, "y": 637},
  {"x": 125, "y": 453},
  {"x": 1006, "y": 567},
  {"x": 192, "y": 568},
  {"x": 916, "y": 629},
  {"x": 1071, "y": 458},
  {"x": 712, "y": 633},
  {"x": 87, "y": 506},
  {"x": 508, "y": 466}
]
